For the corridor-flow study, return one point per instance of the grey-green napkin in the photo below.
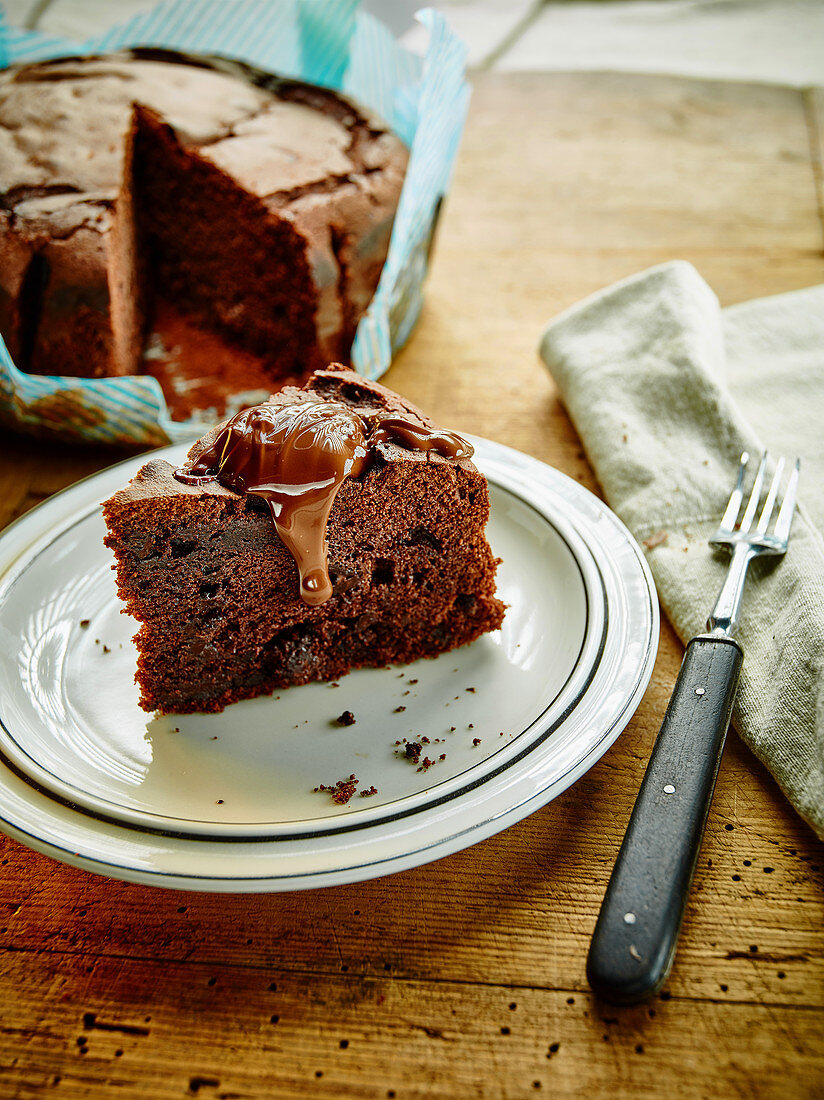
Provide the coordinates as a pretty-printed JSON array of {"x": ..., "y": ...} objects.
[{"x": 666, "y": 390}]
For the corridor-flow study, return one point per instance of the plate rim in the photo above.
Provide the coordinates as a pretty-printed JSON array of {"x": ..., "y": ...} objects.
[{"x": 441, "y": 845}]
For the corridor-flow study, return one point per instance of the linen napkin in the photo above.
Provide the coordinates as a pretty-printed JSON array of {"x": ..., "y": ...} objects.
[{"x": 666, "y": 390}]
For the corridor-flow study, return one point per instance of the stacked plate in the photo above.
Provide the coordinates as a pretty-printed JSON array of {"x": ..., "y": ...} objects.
[{"x": 227, "y": 802}]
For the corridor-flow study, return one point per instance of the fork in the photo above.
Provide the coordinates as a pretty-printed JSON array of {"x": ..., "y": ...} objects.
[{"x": 636, "y": 934}]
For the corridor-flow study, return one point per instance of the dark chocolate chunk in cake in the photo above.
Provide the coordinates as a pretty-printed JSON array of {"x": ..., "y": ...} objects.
[{"x": 218, "y": 595}]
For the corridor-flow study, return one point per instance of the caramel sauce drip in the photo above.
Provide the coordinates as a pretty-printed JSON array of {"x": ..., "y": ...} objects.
[{"x": 296, "y": 457}]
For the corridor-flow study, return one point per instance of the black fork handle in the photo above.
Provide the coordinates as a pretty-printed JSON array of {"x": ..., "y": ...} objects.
[{"x": 634, "y": 942}]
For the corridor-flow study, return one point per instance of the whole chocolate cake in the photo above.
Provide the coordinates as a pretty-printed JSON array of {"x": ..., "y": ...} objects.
[
  {"x": 154, "y": 192},
  {"x": 330, "y": 528}
]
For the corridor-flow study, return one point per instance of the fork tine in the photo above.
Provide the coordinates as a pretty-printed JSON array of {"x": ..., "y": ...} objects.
[
  {"x": 752, "y": 503},
  {"x": 737, "y": 495},
  {"x": 766, "y": 511},
  {"x": 785, "y": 515}
]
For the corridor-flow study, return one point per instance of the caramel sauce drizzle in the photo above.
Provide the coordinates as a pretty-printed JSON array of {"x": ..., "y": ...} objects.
[{"x": 296, "y": 457}]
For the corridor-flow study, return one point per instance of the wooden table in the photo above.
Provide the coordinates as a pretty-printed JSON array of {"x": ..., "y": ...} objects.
[{"x": 466, "y": 978}]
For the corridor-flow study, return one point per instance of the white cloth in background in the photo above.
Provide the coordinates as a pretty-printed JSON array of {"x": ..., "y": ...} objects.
[{"x": 666, "y": 391}]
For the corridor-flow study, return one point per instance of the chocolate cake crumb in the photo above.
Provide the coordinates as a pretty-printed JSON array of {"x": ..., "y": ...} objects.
[
  {"x": 426, "y": 764},
  {"x": 476, "y": 741},
  {"x": 470, "y": 726},
  {"x": 424, "y": 740},
  {"x": 342, "y": 791},
  {"x": 372, "y": 790},
  {"x": 106, "y": 649},
  {"x": 84, "y": 623},
  {"x": 399, "y": 710},
  {"x": 412, "y": 751},
  {"x": 442, "y": 756},
  {"x": 470, "y": 689},
  {"x": 346, "y": 719},
  {"x": 452, "y": 729},
  {"x": 413, "y": 681},
  {"x": 655, "y": 540}
]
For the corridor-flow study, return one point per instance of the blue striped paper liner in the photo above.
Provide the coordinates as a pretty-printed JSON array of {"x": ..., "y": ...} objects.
[{"x": 326, "y": 42}]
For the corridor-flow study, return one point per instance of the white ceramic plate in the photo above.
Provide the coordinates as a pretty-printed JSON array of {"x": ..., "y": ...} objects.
[{"x": 226, "y": 802}]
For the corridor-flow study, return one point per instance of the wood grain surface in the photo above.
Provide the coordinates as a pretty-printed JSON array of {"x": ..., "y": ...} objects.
[{"x": 466, "y": 978}]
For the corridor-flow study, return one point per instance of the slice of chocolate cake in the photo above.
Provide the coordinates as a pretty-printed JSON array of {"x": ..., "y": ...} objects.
[{"x": 330, "y": 528}]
